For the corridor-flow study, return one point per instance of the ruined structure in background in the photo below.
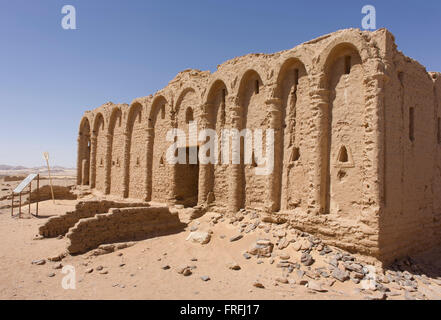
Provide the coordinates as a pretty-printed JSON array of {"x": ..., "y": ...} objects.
[{"x": 357, "y": 153}]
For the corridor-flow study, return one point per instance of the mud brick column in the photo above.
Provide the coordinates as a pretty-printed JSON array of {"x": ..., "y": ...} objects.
[
  {"x": 79, "y": 162},
  {"x": 108, "y": 163},
  {"x": 274, "y": 179},
  {"x": 172, "y": 168},
  {"x": 93, "y": 147},
  {"x": 236, "y": 170},
  {"x": 319, "y": 163},
  {"x": 374, "y": 137},
  {"x": 205, "y": 170},
  {"x": 126, "y": 164},
  {"x": 150, "y": 136}
]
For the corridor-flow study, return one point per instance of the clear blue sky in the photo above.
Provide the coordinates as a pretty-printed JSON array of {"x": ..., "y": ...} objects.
[{"x": 127, "y": 49}]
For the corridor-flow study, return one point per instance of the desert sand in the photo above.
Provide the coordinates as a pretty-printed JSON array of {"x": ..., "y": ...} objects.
[{"x": 149, "y": 269}]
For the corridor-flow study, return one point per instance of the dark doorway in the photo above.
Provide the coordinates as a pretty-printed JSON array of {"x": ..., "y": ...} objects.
[{"x": 187, "y": 180}]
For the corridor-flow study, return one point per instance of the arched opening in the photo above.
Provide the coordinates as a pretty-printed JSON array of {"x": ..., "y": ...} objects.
[
  {"x": 134, "y": 168},
  {"x": 293, "y": 91},
  {"x": 115, "y": 172},
  {"x": 345, "y": 81},
  {"x": 253, "y": 112},
  {"x": 84, "y": 148},
  {"x": 100, "y": 151},
  {"x": 216, "y": 179},
  {"x": 158, "y": 170},
  {"x": 186, "y": 176}
]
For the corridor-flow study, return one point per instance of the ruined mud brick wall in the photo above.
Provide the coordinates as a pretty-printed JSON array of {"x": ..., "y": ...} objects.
[
  {"x": 60, "y": 225},
  {"x": 346, "y": 166},
  {"x": 126, "y": 224}
]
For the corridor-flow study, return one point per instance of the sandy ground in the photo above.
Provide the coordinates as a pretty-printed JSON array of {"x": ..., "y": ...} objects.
[{"x": 137, "y": 272}]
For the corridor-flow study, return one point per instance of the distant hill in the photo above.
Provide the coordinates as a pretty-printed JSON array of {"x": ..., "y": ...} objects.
[{"x": 13, "y": 168}]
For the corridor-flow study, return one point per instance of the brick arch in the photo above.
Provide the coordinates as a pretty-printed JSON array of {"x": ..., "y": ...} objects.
[
  {"x": 115, "y": 152},
  {"x": 252, "y": 113},
  {"x": 344, "y": 78},
  {"x": 293, "y": 92},
  {"x": 186, "y": 176},
  {"x": 159, "y": 174},
  {"x": 98, "y": 150},
  {"x": 84, "y": 148},
  {"x": 213, "y": 177},
  {"x": 134, "y": 157}
]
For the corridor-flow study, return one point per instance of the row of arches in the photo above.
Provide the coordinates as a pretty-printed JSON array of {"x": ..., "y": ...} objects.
[{"x": 128, "y": 159}]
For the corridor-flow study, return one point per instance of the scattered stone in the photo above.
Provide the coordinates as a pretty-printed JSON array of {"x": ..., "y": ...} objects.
[
  {"x": 236, "y": 238},
  {"x": 315, "y": 286},
  {"x": 99, "y": 268},
  {"x": 233, "y": 266},
  {"x": 50, "y": 275},
  {"x": 307, "y": 259},
  {"x": 376, "y": 296},
  {"x": 58, "y": 266},
  {"x": 246, "y": 255},
  {"x": 201, "y": 237},
  {"x": 285, "y": 257},
  {"x": 104, "y": 272},
  {"x": 262, "y": 248},
  {"x": 90, "y": 270},
  {"x": 340, "y": 275},
  {"x": 185, "y": 270},
  {"x": 205, "y": 278},
  {"x": 282, "y": 280},
  {"x": 122, "y": 264},
  {"x": 259, "y": 285},
  {"x": 39, "y": 262}
]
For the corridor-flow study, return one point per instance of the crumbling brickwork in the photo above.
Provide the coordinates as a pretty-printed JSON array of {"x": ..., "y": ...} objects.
[
  {"x": 357, "y": 142},
  {"x": 125, "y": 224}
]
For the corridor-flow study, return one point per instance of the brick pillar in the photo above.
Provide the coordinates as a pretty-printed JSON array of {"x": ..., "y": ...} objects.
[
  {"x": 126, "y": 164},
  {"x": 205, "y": 170},
  {"x": 275, "y": 178},
  {"x": 319, "y": 163},
  {"x": 79, "y": 162},
  {"x": 93, "y": 150},
  {"x": 374, "y": 141},
  {"x": 236, "y": 192},
  {"x": 149, "y": 163},
  {"x": 108, "y": 163}
]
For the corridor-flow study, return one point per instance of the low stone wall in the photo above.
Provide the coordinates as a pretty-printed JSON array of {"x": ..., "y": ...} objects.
[
  {"x": 44, "y": 193},
  {"x": 60, "y": 225},
  {"x": 126, "y": 224}
]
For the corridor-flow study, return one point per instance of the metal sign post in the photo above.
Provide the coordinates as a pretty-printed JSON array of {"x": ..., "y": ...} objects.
[
  {"x": 26, "y": 182},
  {"x": 46, "y": 156}
]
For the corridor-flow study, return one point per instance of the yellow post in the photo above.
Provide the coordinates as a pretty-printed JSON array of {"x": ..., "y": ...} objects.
[{"x": 46, "y": 156}]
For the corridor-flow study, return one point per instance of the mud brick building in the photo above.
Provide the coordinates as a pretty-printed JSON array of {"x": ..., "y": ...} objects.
[{"x": 357, "y": 142}]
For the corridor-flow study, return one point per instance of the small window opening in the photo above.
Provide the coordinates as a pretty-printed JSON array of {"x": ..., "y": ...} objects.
[
  {"x": 137, "y": 161},
  {"x": 257, "y": 89},
  {"x": 161, "y": 161},
  {"x": 224, "y": 94},
  {"x": 412, "y": 124},
  {"x": 295, "y": 155},
  {"x": 189, "y": 115},
  {"x": 348, "y": 62},
  {"x": 139, "y": 118},
  {"x": 401, "y": 78},
  {"x": 101, "y": 161},
  {"x": 113, "y": 163},
  {"x": 163, "y": 112},
  {"x": 343, "y": 155}
]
